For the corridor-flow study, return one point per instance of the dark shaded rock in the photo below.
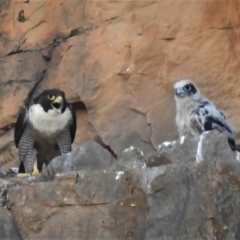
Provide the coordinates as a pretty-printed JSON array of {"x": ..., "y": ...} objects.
[
  {"x": 8, "y": 227},
  {"x": 89, "y": 156},
  {"x": 3, "y": 4},
  {"x": 8, "y": 151},
  {"x": 2, "y": 175},
  {"x": 12, "y": 172}
]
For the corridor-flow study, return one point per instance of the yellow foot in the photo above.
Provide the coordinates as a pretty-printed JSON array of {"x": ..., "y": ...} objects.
[
  {"x": 35, "y": 172},
  {"x": 35, "y": 169},
  {"x": 23, "y": 175}
]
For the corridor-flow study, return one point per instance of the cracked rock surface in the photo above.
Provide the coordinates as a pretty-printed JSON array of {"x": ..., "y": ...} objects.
[
  {"x": 89, "y": 156},
  {"x": 117, "y": 62},
  {"x": 183, "y": 199}
]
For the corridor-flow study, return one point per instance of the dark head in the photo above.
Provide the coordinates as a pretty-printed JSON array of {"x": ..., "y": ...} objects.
[
  {"x": 186, "y": 89},
  {"x": 52, "y": 99}
]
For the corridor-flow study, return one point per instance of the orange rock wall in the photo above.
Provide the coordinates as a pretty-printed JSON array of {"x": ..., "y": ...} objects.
[{"x": 121, "y": 59}]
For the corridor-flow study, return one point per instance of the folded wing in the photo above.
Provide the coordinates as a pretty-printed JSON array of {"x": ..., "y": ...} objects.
[{"x": 208, "y": 117}]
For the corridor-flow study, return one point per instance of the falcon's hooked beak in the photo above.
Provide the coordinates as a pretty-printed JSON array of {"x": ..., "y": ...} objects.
[
  {"x": 180, "y": 92},
  {"x": 58, "y": 104}
]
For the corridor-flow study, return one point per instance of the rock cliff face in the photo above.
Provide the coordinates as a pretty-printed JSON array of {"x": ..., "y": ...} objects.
[
  {"x": 117, "y": 62},
  {"x": 194, "y": 194}
]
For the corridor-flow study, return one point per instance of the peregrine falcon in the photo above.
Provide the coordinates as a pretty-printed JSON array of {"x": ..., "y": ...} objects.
[
  {"x": 196, "y": 114},
  {"x": 45, "y": 128}
]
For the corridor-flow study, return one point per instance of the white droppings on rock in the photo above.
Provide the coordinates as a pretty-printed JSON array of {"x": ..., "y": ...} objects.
[
  {"x": 129, "y": 149},
  {"x": 127, "y": 70},
  {"x": 237, "y": 155},
  {"x": 199, "y": 156},
  {"x": 144, "y": 166},
  {"x": 15, "y": 170},
  {"x": 182, "y": 139},
  {"x": 140, "y": 151},
  {"x": 119, "y": 175},
  {"x": 167, "y": 144}
]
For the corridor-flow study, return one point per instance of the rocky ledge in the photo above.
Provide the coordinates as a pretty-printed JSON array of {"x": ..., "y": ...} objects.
[{"x": 189, "y": 189}]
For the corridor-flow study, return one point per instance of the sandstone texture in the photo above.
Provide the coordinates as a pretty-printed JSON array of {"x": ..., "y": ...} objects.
[{"x": 117, "y": 62}]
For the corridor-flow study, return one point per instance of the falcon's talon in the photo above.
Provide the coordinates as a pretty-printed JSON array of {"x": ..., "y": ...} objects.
[
  {"x": 35, "y": 169},
  {"x": 23, "y": 175}
]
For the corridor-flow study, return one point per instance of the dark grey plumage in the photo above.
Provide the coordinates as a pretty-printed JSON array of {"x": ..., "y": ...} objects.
[
  {"x": 45, "y": 128},
  {"x": 196, "y": 114}
]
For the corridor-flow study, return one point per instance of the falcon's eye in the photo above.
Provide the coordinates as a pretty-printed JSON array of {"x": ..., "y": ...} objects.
[
  {"x": 188, "y": 87},
  {"x": 51, "y": 97}
]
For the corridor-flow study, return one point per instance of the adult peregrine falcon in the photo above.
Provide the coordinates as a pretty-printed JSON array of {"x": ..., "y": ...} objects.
[
  {"x": 45, "y": 128},
  {"x": 196, "y": 114}
]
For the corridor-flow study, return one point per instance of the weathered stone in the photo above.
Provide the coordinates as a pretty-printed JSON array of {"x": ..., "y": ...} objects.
[
  {"x": 192, "y": 149},
  {"x": 8, "y": 227},
  {"x": 8, "y": 152},
  {"x": 3, "y": 4},
  {"x": 195, "y": 196},
  {"x": 96, "y": 205},
  {"x": 19, "y": 72},
  {"x": 133, "y": 158},
  {"x": 89, "y": 156},
  {"x": 124, "y": 77}
]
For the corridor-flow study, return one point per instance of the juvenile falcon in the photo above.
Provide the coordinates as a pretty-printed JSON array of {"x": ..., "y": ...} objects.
[
  {"x": 45, "y": 128},
  {"x": 196, "y": 114}
]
